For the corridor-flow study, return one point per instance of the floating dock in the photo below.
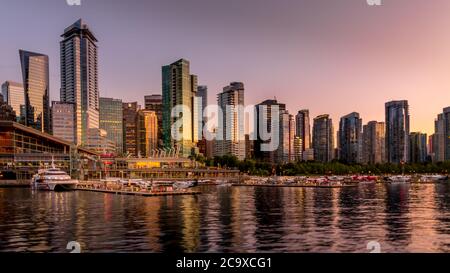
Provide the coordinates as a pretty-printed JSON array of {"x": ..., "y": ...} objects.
[{"x": 141, "y": 193}]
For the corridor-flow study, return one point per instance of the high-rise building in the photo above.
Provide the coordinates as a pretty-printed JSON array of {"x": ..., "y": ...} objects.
[
  {"x": 79, "y": 77},
  {"x": 63, "y": 122},
  {"x": 147, "y": 133},
  {"x": 350, "y": 138},
  {"x": 446, "y": 115},
  {"x": 266, "y": 122},
  {"x": 130, "y": 111},
  {"x": 298, "y": 146},
  {"x": 154, "y": 103},
  {"x": 14, "y": 96},
  {"x": 418, "y": 147},
  {"x": 231, "y": 138},
  {"x": 439, "y": 139},
  {"x": 202, "y": 92},
  {"x": 374, "y": 143},
  {"x": 6, "y": 111},
  {"x": 177, "y": 90},
  {"x": 35, "y": 74},
  {"x": 303, "y": 128},
  {"x": 397, "y": 131},
  {"x": 323, "y": 139},
  {"x": 111, "y": 120}
]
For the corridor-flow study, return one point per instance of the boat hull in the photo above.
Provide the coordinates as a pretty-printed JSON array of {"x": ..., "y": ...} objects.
[{"x": 55, "y": 186}]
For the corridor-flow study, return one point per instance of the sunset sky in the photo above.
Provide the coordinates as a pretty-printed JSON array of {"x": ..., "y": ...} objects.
[{"x": 329, "y": 56}]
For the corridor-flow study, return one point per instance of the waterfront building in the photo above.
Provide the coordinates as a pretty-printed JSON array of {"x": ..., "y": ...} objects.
[
  {"x": 249, "y": 147},
  {"x": 298, "y": 149},
  {"x": 308, "y": 155},
  {"x": 63, "y": 122},
  {"x": 350, "y": 138},
  {"x": 265, "y": 116},
  {"x": 374, "y": 143},
  {"x": 323, "y": 139},
  {"x": 79, "y": 77},
  {"x": 177, "y": 90},
  {"x": 154, "y": 103},
  {"x": 130, "y": 112},
  {"x": 418, "y": 147},
  {"x": 14, "y": 96},
  {"x": 147, "y": 133},
  {"x": 111, "y": 120},
  {"x": 303, "y": 130},
  {"x": 35, "y": 74},
  {"x": 397, "y": 131},
  {"x": 24, "y": 150}
]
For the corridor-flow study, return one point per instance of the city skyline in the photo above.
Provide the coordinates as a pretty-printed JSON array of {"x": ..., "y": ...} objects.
[{"x": 373, "y": 70}]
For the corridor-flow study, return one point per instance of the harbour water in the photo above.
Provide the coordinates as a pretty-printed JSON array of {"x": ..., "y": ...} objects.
[{"x": 402, "y": 218}]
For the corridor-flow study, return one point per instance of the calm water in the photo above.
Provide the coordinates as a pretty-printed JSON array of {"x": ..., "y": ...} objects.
[{"x": 403, "y": 218}]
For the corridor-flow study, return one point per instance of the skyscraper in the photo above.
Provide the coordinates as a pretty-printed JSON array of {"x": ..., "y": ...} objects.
[
  {"x": 6, "y": 111},
  {"x": 439, "y": 139},
  {"x": 111, "y": 120},
  {"x": 63, "y": 122},
  {"x": 146, "y": 132},
  {"x": 177, "y": 90},
  {"x": 14, "y": 96},
  {"x": 397, "y": 131},
  {"x": 350, "y": 138},
  {"x": 265, "y": 116},
  {"x": 35, "y": 74},
  {"x": 130, "y": 111},
  {"x": 323, "y": 138},
  {"x": 231, "y": 140},
  {"x": 374, "y": 143},
  {"x": 303, "y": 130},
  {"x": 446, "y": 116},
  {"x": 79, "y": 77},
  {"x": 202, "y": 92},
  {"x": 154, "y": 103},
  {"x": 418, "y": 147}
]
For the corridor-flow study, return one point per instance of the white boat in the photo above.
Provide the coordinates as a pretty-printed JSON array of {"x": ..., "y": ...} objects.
[
  {"x": 399, "y": 179},
  {"x": 433, "y": 178},
  {"x": 53, "y": 179},
  {"x": 185, "y": 184}
]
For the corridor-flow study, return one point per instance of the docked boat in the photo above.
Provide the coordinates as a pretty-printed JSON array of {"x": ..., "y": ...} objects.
[
  {"x": 399, "y": 179},
  {"x": 53, "y": 179},
  {"x": 185, "y": 184},
  {"x": 434, "y": 178}
]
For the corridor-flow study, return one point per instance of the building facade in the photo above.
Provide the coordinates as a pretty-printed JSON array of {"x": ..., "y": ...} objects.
[
  {"x": 63, "y": 122},
  {"x": 397, "y": 131},
  {"x": 350, "y": 139},
  {"x": 154, "y": 103},
  {"x": 111, "y": 120},
  {"x": 418, "y": 147},
  {"x": 35, "y": 74},
  {"x": 14, "y": 96},
  {"x": 374, "y": 143},
  {"x": 147, "y": 133},
  {"x": 98, "y": 142},
  {"x": 79, "y": 77},
  {"x": 231, "y": 130},
  {"x": 130, "y": 112},
  {"x": 323, "y": 139},
  {"x": 177, "y": 90},
  {"x": 303, "y": 128}
]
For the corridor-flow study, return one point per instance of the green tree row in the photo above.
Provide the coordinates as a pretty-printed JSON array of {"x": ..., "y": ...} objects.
[{"x": 254, "y": 167}]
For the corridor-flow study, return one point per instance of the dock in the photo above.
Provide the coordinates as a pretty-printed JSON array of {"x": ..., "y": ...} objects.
[
  {"x": 293, "y": 186},
  {"x": 140, "y": 193}
]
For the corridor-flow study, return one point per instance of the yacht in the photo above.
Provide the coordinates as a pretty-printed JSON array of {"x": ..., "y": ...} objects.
[
  {"x": 53, "y": 179},
  {"x": 434, "y": 178}
]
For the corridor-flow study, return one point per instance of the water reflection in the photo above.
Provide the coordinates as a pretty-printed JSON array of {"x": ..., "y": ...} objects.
[{"x": 403, "y": 218}]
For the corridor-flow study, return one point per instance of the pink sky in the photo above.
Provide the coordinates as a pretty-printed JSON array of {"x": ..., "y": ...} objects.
[{"x": 329, "y": 56}]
